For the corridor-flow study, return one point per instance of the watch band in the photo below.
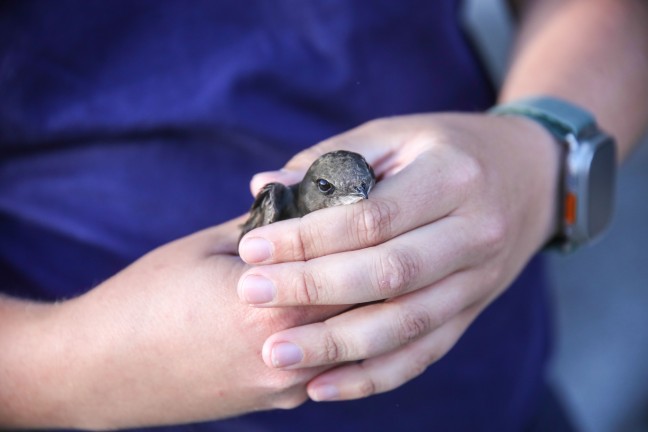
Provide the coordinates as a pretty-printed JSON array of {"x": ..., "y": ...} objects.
[
  {"x": 561, "y": 117},
  {"x": 587, "y": 171}
]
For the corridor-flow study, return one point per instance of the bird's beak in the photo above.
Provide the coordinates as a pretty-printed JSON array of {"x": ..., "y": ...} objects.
[{"x": 362, "y": 191}]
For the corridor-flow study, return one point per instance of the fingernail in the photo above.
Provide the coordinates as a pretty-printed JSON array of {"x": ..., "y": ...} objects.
[
  {"x": 325, "y": 393},
  {"x": 257, "y": 289},
  {"x": 255, "y": 249},
  {"x": 286, "y": 354}
]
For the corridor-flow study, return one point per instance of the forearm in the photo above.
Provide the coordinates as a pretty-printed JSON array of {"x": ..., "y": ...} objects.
[
  {"x": 84, "y": 363},
  {"x": 158, "y": 343},
  {"x": 591, "y": 52},
  {"x": 93, "y": 362},
  {"x": 29, "y": 371}
]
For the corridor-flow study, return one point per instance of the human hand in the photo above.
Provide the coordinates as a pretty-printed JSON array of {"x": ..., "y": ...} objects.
[
  {"x": 464, "y": 201},
  {"x": 164, "y": 341}
]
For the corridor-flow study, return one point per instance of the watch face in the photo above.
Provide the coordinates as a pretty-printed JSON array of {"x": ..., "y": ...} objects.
[
  {"x": 590, "y": 182},
  {"x": 589, "y": 167},
  {"x": 600, "y": 185}
]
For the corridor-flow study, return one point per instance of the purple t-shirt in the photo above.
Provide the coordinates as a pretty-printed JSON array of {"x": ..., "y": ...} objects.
[{"x": 124, "y": 125}]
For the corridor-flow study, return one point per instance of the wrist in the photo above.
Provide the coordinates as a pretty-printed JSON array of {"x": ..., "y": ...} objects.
[
  {"x": 46, "y": 372},
  {"x": 30, "y": 370},
  {"x": 546, "y": 155},
  {"x": 588, "y": 166}
]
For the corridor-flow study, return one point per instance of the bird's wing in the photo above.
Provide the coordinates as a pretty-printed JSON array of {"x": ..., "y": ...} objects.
[{"x": 274, "y": 202}]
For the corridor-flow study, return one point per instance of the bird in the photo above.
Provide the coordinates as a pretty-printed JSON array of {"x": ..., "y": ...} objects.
[{"x": 336, "y": 178}]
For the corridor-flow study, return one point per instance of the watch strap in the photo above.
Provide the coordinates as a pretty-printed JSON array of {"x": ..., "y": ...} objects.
[
  {"x": 571, "y": 125},
  {"x": 560, "y": 117}
]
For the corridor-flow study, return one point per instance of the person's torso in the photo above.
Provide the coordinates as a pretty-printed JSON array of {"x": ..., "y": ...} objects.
[{"x": 124, "y": 125}]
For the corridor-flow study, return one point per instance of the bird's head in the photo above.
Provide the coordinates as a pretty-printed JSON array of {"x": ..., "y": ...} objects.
[{"x": 336, "y": 178}]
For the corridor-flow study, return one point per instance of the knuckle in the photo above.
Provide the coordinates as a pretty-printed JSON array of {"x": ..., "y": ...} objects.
[
  {"x": 373, "y": 221},
  {"x": 397, "y": 270},
  {"x": 334, "y": 348},
  {"x": 468, "y": 174},
  {"x": 367, "y": 387},
  {"x": 493, "y": 233},
  {"x": 310, "y": 239},
  {"x": 412, "y": 323},
  {"x": 308, "y": 292}
]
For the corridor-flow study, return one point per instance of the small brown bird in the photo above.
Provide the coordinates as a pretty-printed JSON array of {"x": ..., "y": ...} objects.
[{"x": 335, "y": 178}]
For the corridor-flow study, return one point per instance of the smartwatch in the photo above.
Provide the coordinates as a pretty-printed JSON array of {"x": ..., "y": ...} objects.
[{"x": 588, "y": 171}]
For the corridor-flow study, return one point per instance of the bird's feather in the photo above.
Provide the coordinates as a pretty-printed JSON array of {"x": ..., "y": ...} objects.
[
  {"x": 335, "y": 178},
  {"x": 273, "y": 202}
]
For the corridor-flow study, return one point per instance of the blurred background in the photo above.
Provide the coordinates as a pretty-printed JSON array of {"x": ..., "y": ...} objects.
[
  {"x": 601, "y": 304},
  {"x": 600, "y": 293}
]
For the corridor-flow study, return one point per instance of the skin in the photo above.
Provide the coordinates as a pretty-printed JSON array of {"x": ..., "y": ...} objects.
[
  {"x": 152, "y": 335},
  {"x": 480, "y": 201}
]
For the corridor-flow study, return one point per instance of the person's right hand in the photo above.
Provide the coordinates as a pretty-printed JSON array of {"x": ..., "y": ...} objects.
[
  {"x": 164, "y": 341},
  {"x": 463, "y": 203}
]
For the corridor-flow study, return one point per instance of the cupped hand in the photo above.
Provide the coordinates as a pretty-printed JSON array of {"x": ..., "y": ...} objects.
[
  {"x": 166, "y": 341},
  {"x": 462, "y": 204}
]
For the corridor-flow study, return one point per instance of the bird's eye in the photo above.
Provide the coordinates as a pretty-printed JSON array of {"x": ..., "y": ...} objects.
[
  {"x": 363, "y": 185},
  {"x": 324, "y": 186}
]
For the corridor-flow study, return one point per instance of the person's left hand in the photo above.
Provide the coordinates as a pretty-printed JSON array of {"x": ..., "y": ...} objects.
[{"x": 462, "y": 203}]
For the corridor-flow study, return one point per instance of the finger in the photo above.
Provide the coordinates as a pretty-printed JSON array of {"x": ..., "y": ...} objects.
[
  {"x": 403, "y": 264},
  {"x": 398, "y": 204},
  {"x": 391, "y": 370},
  {"x": 282, "y": 176},
  {"x": 360, "y": 140},
  {"x": 378, "y": 141},
  {"x": 372, "y": 330}
]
